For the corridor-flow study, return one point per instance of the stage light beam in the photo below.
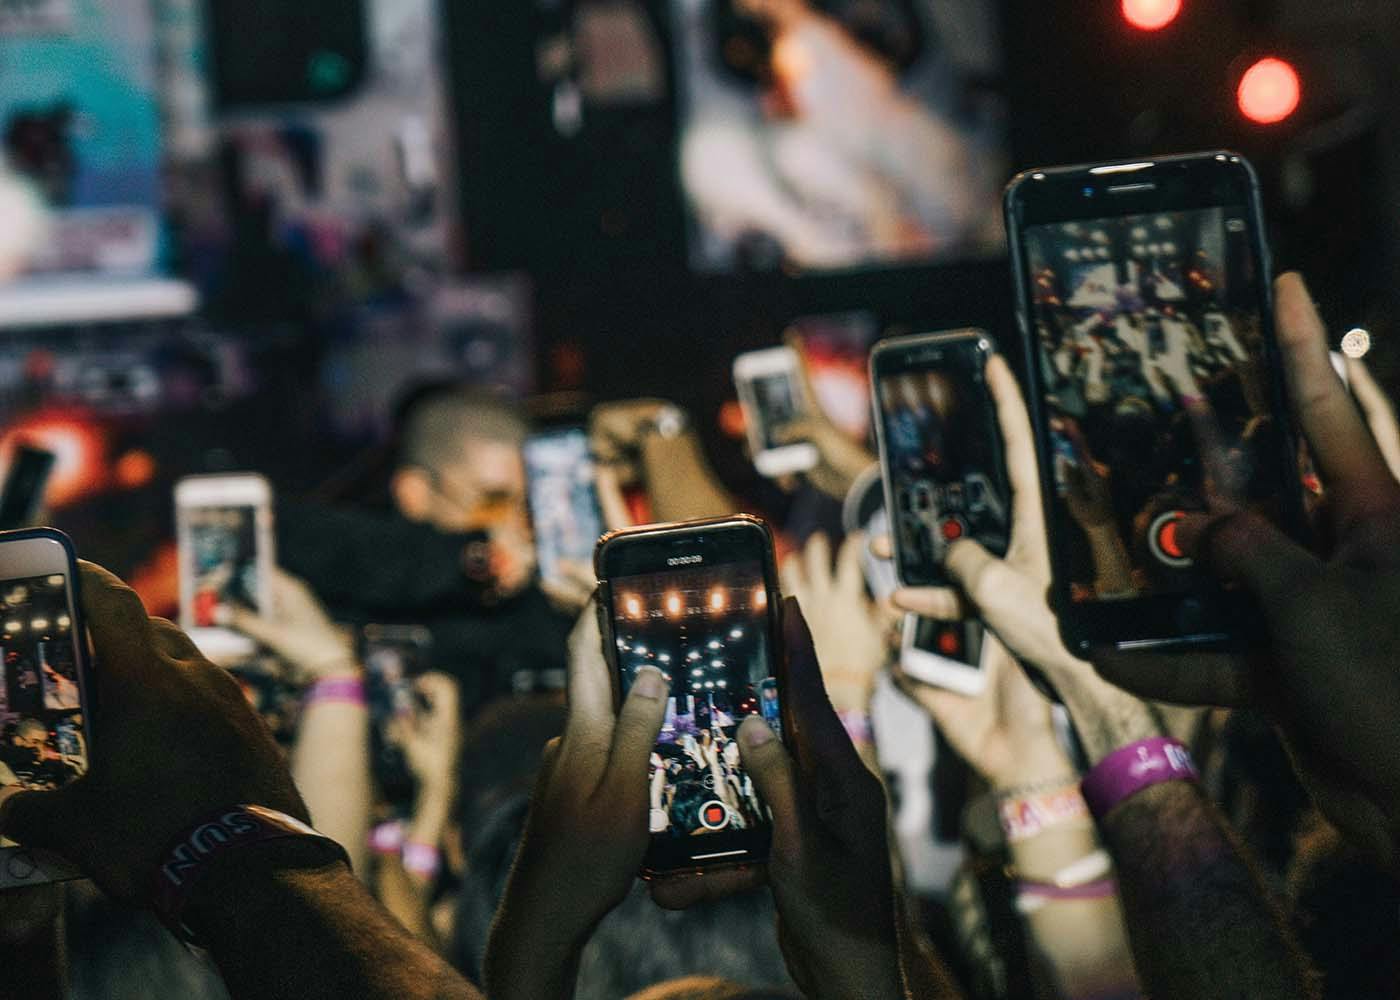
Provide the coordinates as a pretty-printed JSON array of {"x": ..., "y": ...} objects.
[
  {"x": 1270, "y": 91},
  {"x": 1151, "y": 15}
]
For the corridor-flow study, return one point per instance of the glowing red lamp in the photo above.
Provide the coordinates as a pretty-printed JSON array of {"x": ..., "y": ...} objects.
[
  {"x": 1270, "y": 91},
  {"x": 1151, "y": 15}
]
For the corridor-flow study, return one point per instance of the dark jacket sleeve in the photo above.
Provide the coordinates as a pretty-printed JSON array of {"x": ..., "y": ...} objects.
[{"x": 375, "y": 562}]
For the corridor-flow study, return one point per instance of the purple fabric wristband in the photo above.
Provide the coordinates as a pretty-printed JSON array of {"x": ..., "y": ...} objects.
[
  {"x": 347, "y": 690},
  {"x": 1130, "y": 769}
]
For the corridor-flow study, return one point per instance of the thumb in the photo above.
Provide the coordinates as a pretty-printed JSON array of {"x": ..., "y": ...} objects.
[{"x": 768, "y": 763}]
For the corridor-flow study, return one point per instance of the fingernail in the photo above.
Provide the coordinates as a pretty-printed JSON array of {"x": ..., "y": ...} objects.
[
  {"x": 755, "y": 732},
  {"x": 649, "y": 684}
]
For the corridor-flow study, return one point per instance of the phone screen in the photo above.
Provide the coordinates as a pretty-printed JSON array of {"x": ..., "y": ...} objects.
[
  {"x": 776, "y": 400},
  {"x": 41, "y": 712},
  {"x": 943, "y": 454},
  {"x": 394, "y": 656},
  {"x": 707, "y": 630},
  {"x": 223, "y": 553},
  {"x": 563, "y": 499},
  {"x": 1135, "y": 316},
  {"x": 960, "y": 642}
]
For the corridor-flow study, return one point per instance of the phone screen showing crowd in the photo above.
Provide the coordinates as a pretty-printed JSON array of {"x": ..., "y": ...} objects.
[
  {"x": 706, "y": 630},
  {"x": 42, "y": 742},
  {"x": 944, "y": 463},
  {"x": 1149, "y": 336}
]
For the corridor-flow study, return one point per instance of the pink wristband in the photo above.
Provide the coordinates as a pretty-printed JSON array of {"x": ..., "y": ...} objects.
[
  {"x": 347, "y": 690},
  {"x": 1130, "y": 769},
  {"x": 421, "y": 859},
  {"x": 387, "y": 838},
  {"x": 1027, "y": 816},
  {"x": 1100, "y": 889},
  {"x": 192, "y": 854},
  {"x": 857, "y": 726}
]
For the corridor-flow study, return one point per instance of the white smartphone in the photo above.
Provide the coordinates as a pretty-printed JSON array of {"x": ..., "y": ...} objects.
[
  {"x": 944, "y": 654},
  {"x": 771, "y": 396},
  {"x": 224, "y": 530},
  {"x": 45, "y": 692}
]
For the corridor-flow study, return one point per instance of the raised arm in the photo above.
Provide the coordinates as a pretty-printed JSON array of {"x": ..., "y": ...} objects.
[
  {"x": 1175, "y": 857},
  {"x": 178, "y": 753}
]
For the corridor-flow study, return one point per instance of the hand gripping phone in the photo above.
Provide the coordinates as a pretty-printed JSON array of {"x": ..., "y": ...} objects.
[
  {"x": 1145, "y": 300},
  {"x": 771, "y": 394},
  {"x": 698, "y": 601}
]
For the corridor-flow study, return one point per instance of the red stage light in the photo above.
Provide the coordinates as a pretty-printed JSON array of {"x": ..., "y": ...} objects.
[
  {"x": 1151, "y": 15},
  {"x": 1270, "y": 91}
]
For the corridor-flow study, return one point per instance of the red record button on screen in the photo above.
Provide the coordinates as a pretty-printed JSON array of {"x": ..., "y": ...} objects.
[
  {"x": 948, "y": 643},
  {"x": 952, "y": 529},
  {"x": 1163, "y": 541},
  {"x": 714, "y": 815}
]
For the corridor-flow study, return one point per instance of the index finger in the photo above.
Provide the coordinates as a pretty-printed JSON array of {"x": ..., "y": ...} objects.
[
  {"x": 1022, "y": 467},
  {"x": 1346, "y": 454},
  {"x": 117, "y": 621}
]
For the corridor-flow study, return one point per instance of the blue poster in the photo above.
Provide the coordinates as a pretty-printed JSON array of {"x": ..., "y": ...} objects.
[{"x": 80, "y": 121}]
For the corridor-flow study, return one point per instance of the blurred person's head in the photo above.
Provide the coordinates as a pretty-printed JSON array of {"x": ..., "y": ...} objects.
[
  {"x": 459, "y": 465},
  {"x": 31, "y": 734}
]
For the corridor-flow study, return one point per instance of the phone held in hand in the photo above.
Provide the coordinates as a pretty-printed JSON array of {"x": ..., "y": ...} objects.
[
  {"x": 944, "y": 654},
  {"x": 224, "y": 534},
  {"x": 698, "y": 601},
  {"x": 46, "y": 689},
  {"x": 940, "y": 450},
  {"x": 771, "y": 395},
  {"x": 1144, "y": 294},
  {"x": 394, "y": 657},
  {"x": 563, "y": 497},
  {"x": 26, "y": 482}
]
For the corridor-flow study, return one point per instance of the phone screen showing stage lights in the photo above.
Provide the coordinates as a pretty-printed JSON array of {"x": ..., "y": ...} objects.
[
  {"x": 1138, "y": 318},
  {"x": 41, "y": 710},
  {"x": 707, "y": 631}
]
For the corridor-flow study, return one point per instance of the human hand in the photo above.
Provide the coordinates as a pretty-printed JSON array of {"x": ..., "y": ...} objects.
[
  {"x": 571, "y": 588},
  {"x": 587, "y": 831},
  {"x": 851, "y": 633},
  {"x": 615, "y": 430},
  {"x": 1006, "y": 733},
  {"x": 1328, "y": 675},
  {"x": 841, "y": 460},
  {"x": 175, "y": 740},
  {"x": 431, "y": 736},
  {"x": 829, "y": 865},
  {"x": 1011, "y": 595},
  {"x": 298, "y": 630}
]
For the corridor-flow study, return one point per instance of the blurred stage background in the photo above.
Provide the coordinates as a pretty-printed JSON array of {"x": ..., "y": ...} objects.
[{"x": 266, "y": 220}]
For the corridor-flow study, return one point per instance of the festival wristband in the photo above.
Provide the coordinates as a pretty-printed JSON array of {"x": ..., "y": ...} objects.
[
  {"x": 1030, "y": 815},
  {"x": 194, "y": 852},
  {"x": 857, "y": 725},
  {"x": 421, "y": 859},
  {"x": 345, "y": 690},
  {"x": 1031, "y": 896},
  {"x": 1130, "y": 769},
  {"x": 387, "y": 838}
]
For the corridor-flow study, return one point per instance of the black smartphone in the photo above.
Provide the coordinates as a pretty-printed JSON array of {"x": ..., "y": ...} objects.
[
  {"x": 25, "y": 484},
  {"x": 940, "y": 450},
  {"x": 563, "y": 495},
  {"x": 699, "y": 601},
  {"x": 45, "y": 691},
  {"x": 1144, "y": 287},
  {"x": 394, "y": 656}
]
